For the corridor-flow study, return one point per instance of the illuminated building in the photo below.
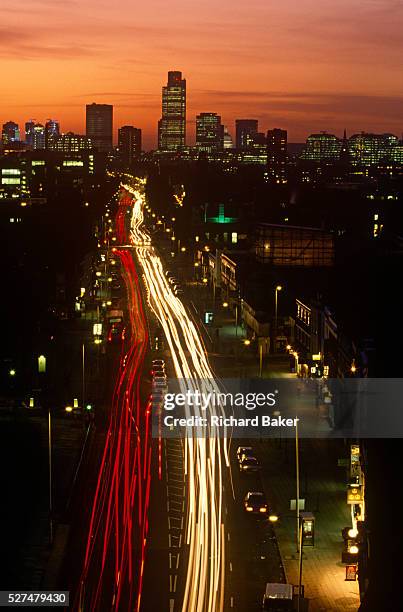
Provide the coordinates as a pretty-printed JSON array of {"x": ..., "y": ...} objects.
[
  {"x": 277, "y": 156},
  {"x": 245, "y": 129},
  {"x": 129, "y": 144},
  {"x": 99, "y": 126},
  {"x": 322, "y": 147},
  {"x": 228, "y": 142},
  {"x": 71, "y": 143},
  {"x": 256, "y": 150},
  {"x": 172, "y": 125},
  {"x": 29, "y": 129},
  {"x": 13, "y": 181},
  {"x": 10, "y": 132},
  {"x": 371, "y": 149},
  {"x": 209, "y": 132},
  {"x": 52, "y": 131},
  {"x": 35, "y": 135}
]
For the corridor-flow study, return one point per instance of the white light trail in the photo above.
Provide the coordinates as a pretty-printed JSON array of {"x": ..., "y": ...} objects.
[{"x": 205, "y": 458}]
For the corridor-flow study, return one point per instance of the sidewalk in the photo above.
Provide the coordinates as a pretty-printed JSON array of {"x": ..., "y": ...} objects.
[{"x": 323, "y": 488}]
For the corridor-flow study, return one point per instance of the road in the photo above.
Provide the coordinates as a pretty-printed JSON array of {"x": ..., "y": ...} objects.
[
  {"x": 205, "y": 460},
  {"x": 112, "y": 572}
]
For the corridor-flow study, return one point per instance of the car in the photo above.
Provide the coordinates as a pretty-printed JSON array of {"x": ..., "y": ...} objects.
[
  {"x": 157, "y": 397},
  {"x": 278, "y": 596},
  {"x": 172, "y": 280},
  {"x": 178, "y": 291},
  {"x": 168, "y": 273},
  {"x": 157, "y": 373},
  {"x": 158, "y": 363},
  {"x": 116, "y": 332},
  {"x": 157, "y": 400},
  {"x": 246, "y": 451},
  {"x": 255, "y": 503},
  {"x": 160, "y": 381},
  {"x": 249, "y": 464}
]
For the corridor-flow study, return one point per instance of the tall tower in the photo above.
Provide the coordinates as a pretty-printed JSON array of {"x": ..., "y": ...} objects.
[
  {"x": 99, "y": 125},
  {"x": 277, "y": 156},
  {"x": 245, "y": 130},
  {"x": 52, "y": 133},
  {"x": 172, "y": 125},
  {"x": 129, "y": 144}
]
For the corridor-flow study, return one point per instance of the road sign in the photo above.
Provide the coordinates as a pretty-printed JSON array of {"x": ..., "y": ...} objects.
[
  {"x": 351, "y": 572},
  {"x": 355, "y": 494},
  {"x": 208, "y": 317},
  {"x": 301, "y": 504}
]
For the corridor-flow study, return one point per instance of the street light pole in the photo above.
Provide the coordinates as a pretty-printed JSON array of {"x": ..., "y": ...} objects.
[
  {"x": 300, "y": 566},
  {"x": 50, "y": 477},
  {"x": 260, "y": 359},
  {"x": 297, "y": 480},
  {"x": 83, "y": 375},
  {"x": 278, "y": 288}
]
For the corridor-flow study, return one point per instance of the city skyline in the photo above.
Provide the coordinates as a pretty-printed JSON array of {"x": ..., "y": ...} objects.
[{"x": 319, "y": 67}]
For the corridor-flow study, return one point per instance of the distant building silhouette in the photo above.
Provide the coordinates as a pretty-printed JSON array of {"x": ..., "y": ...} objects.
[
  {"x": 129, "y": 144},
  {"x": 10, "y": 132},
  {"x": 277, "y": 156},
  {"x": 245, "y": 129},
  {"x": 99, "y": 126}
]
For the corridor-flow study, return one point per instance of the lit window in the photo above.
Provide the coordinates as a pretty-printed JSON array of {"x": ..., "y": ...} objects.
[
  {"x": 10, "y": 172},
  {"x": 10, "y": 181}
]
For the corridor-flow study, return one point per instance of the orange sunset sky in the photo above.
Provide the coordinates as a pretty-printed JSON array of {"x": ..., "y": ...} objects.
[{"x": 305, "y": 65}]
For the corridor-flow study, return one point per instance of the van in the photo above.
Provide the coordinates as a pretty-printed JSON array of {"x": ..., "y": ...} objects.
[{"x": 278, "y": 597}]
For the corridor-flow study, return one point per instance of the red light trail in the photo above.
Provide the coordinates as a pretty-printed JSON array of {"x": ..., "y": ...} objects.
[{"x": 112, "y": 572}]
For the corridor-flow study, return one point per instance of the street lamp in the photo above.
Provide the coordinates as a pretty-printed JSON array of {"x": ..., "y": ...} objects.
[
  {"x": 246, "y": 342},
  {"x": 225, "y": 304},
  {"x": 278, "y": 288}
]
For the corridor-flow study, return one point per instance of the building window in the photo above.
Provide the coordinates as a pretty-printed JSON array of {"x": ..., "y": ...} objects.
[
  {"x": 10, "y": 181},
  {"x": 10, "y": 172}
]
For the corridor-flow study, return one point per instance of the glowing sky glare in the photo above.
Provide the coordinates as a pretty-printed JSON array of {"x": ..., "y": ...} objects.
[{"x": 304, "y": 66}]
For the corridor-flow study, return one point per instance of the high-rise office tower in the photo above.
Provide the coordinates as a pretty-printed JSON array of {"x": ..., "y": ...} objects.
[
  {"x": 10, "y": 132},
  {"x": 129, "y": 144},
  {"x": 52, "y": 132},
  {"x": 29, "y": 132},
  {"x": 172, "y": 125},
  {"x": 209, "y": 132},
  {"x": 99, "y": 126},
  {"x": 277, "y": 156},
  {"x": 245, "y": 129},
  {"x": 35, "y": 135}
]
